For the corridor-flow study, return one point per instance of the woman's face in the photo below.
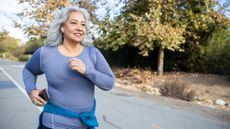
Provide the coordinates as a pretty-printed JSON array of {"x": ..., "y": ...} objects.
[{"x": 74, "y": 28}]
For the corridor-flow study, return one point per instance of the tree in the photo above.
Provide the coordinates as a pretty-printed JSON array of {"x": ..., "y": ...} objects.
[
  {"x": 7, "y": 43},
  {"x": 163, "y": 24},
  {"x": 33, "y": 44},
  {"x": 40, "y": 13},
  {"x": 115, "y": 32},
  {"x": 155, "y": 33},
  {"x": 213, "y": 57}
]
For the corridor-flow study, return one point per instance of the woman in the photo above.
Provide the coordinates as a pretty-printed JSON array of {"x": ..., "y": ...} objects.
[{"x": 72, "y": 68}]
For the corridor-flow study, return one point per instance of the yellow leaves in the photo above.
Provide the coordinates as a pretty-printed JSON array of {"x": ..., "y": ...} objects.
[
  {"x": 144, "y": 53},
  {"x": 53, "y": 4},
  {"x": 156, "y": 33},
  {"x": 42, "y": 11}
]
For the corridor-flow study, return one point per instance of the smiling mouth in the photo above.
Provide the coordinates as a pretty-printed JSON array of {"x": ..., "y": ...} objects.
[{"x": 77, "y": 34}]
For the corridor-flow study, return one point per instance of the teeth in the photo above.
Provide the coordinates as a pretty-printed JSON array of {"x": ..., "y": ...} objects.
[{"x": 78, "y": 34}]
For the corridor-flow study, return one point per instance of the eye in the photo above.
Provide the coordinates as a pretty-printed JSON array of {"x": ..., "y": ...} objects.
[
  {"x": 73, "y": 23},
  {"x": 83, "y": 24}
]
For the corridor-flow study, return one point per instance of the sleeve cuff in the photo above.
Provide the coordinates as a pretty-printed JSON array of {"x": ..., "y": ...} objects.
[{"x": 89, "y": 72}]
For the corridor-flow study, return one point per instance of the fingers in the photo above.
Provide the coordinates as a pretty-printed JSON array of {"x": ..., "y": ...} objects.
[
  {"x": 77, "y": 64},
  {"x": 73, "y": 62},
  {"x": 41, "y": 100},
  {"x": 36, "y": 99},
  {"x": 37, "y": 102}
]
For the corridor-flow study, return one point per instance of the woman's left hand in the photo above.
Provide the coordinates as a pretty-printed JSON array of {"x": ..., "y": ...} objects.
[{"x": 77, "y": 65}]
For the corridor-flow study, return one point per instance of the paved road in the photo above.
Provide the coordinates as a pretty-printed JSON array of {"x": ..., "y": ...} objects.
[{"x": 116, "y": 109}]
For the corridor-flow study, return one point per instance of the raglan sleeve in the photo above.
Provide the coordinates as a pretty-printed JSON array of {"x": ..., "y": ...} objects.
[
  {"x": 31, "y": 70},
  {"x": 101, "y": 75}
]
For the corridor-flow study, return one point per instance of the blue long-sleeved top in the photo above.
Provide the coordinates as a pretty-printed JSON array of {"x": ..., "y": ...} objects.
[{"x": 67, "y": 88}]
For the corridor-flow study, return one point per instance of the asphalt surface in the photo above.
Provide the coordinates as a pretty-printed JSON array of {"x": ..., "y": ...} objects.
[{"x": 116, "y": 109}]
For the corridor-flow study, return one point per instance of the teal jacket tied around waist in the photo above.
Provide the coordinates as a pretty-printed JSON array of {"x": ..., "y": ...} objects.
[{"x": 87, "y": 118}]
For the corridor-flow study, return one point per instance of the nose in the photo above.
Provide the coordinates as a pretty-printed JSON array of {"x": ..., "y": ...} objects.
[{"x": 79, "y": 27}]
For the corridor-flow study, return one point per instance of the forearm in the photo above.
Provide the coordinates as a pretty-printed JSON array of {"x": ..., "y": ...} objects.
[
  {"x": 29, "y": 80},
  {"x": 105, "y": 81},
  {"x": 31, "y": 71}
]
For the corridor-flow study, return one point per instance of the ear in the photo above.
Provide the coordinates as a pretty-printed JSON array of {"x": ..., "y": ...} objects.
[{"x": 62, "y": 29}]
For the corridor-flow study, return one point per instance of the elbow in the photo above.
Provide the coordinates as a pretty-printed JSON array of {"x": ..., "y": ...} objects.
[{"x": 110, "y": 85}]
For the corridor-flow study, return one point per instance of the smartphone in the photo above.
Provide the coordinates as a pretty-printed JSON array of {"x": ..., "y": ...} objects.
[{"x": 43, "y": 94}]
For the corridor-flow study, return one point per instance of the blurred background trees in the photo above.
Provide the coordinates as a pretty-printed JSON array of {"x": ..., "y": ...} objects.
[
  {"x": 175, "y": 25},
  {"x": 163, "y": 35},
  {"x": 8, "y": 45}
]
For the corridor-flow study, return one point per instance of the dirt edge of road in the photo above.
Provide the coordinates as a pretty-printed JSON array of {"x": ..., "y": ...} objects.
[{"x": 205, "y": 111}]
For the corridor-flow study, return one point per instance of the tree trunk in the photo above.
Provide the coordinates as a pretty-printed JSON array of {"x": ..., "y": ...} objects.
[{"x": 160, "y": 61}]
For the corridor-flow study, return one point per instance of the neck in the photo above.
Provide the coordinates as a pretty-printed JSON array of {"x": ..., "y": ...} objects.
[{"x": 71, "y": 46}]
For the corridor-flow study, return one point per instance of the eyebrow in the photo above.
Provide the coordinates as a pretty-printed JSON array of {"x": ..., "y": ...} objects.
[{"x": 75, "y": 20}]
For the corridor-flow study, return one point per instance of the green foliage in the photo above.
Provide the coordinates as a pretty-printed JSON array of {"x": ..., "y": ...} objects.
[
  {"x": 119, "y": 31},
  {"x": 7, "y": 43},
  {"x": 8, "y": 55},
  {"x": 185, "y": 21},
  {"x": 174, "y": 25},
  {"x": 213, "y": 57},
  {"x": 33, "y": 44},
  {"x": 150, "y": 28},
  {"x": 161, "y": 24},
  {"x": 9, "y": 46},
  {"x": 20, "y": 50},
  {"x": 118, "y": 34},
  {"x": 24, "y": 57}
]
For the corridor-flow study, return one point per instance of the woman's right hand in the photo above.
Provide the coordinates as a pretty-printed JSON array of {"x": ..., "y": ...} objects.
[
  {"x": 36, "y": 99},
  {"x": 77, "y": 65}
]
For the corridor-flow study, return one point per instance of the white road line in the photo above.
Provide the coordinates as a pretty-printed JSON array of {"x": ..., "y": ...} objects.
[
  {"x": 18, "y": 86},
  {"x": 16, "y": 66}
]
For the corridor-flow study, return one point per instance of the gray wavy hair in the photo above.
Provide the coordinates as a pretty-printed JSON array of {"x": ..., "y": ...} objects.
[{"x": 55, "y": 36}]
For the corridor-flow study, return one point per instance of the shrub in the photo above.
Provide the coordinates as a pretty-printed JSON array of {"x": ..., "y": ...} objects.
[
  {"x": 33, "y": 44},
  {"x": 24, "y": 57},
  {"x": 8, "y": 55},
  {"x": 177, "y": 89},
  {"x": 214, "y": 57},
  {"x": 18, "y": 51}
]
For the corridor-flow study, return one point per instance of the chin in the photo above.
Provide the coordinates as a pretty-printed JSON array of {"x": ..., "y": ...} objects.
[{"x": 78, "y": 40}]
